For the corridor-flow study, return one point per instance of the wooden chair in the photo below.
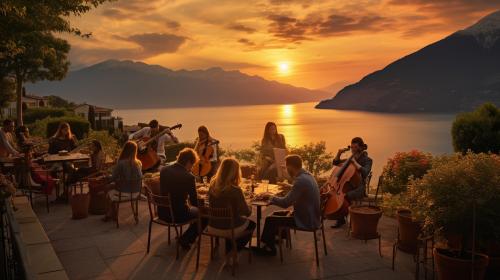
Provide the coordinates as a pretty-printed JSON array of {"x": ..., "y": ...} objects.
[
  {"x": 155, "y": 201},
  {"x": 323, "y": 201},
  {"x": 123, "y": 197},
  {"x": 222, "y": 215}
]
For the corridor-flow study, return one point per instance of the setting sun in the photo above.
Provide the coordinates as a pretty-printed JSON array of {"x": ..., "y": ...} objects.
[{"x": 284, "y": 68}]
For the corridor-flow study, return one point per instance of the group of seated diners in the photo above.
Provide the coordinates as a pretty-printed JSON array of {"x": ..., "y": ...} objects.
[{"x": 178, "y": 182}]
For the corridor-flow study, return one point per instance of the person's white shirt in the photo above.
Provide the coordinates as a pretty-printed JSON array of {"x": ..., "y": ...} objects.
[{"x": 146, "y": 132}]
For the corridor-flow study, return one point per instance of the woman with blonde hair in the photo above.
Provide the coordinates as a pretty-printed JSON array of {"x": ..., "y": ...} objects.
[
  {"x": 63, "y": 139},
  {"x": 127, "y": 178},
  {"x": 225, "y": 192}
]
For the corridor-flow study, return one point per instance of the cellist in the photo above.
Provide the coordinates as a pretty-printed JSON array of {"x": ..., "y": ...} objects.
[
  {"x": 207, "y": 149},
  {"x": 363, "y": 164}
]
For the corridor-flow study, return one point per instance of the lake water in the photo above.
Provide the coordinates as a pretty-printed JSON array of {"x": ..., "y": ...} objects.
[{"x": 239, "y": 126}]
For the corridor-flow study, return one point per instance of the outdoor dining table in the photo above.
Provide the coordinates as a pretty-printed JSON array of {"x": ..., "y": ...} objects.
[
  {"x": 258, "y": 188},
  {"x": 71, "y": 157}
]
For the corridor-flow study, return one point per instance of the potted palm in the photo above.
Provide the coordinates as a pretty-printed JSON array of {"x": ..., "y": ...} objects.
[{"x": 455, "y": 200}]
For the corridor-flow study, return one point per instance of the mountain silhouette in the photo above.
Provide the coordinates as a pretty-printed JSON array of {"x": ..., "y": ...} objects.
[
  {"x": 128, "y": 84},
  {"x": 457, "y": 73}
]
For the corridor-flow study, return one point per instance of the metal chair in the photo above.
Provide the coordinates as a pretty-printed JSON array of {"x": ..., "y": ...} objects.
[
  {"x": 155, "y": 201},
  {"x": 123, "y": 197},
  {"x": 323, "y": 201},
  {"x": 222, "y": 215},
  {"x": 415, "y": 243}
]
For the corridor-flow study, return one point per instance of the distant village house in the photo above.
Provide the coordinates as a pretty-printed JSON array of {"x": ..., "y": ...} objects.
[
  {"x": 103, "y": 118},
  {"x": 29, "y": 101}
]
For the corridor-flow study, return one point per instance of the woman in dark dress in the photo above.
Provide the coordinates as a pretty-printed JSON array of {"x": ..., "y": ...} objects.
[
  {"x": 63, "y": 140},
  {"x": 267, "y": 163}
]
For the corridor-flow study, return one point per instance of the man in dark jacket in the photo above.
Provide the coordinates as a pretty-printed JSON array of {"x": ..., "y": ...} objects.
[
  {"x": 305, "y": 198},
  {"x": 177, "y": 181}
]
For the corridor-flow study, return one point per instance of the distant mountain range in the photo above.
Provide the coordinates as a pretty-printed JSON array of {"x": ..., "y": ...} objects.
[
  {"x": 127, "y": 84},
  {"x": 457, "y": 73}
]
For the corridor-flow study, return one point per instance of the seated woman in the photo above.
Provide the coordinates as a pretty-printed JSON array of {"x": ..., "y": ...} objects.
[
  {"x": 267, "y": 163},
  {"x": 97, "y": 160},
  {"x": 63, "y": 140},
  {"x": 38, "y": 174},
  {"x": 127, "y": 179},
  {"x": 207, "y": 148},
  {"x": 225, "y": 192}
]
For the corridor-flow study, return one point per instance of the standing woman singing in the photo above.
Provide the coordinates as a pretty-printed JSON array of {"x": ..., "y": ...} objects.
[{"x": 267, "y": 163}]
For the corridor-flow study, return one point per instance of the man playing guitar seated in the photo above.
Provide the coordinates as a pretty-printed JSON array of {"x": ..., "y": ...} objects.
[{"x": 152, "y": 130}]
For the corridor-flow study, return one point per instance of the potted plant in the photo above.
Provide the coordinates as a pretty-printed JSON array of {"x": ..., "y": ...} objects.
[
  {"x": 454, "y": 199},
  {"x": 364, "y": 221}
]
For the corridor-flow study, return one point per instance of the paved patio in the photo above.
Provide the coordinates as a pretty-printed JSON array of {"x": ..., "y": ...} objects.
[{"x": 92, "y": 249}]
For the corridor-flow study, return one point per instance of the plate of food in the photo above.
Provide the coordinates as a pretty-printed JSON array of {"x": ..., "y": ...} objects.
[
  {"x": 265, "y": 196},
  {"x": 63, "y": 153}
]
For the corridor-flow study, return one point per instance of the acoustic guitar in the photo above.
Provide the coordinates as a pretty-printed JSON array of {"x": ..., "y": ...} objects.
[{"x": 146, "y": 153}]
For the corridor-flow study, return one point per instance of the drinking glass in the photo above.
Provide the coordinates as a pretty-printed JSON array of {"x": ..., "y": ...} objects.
[{"x": 266, "y": 184}]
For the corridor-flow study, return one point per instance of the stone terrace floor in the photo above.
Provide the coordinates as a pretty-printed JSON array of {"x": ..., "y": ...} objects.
[{"x": 92, "y": 249}]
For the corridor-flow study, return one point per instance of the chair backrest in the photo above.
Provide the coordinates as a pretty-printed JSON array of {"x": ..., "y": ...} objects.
[
  {"x": 217, "y": 214},
  {"x": 367, "y": 183},
  {"x": 380, "y": 180},
  {"x": 155, "y": 201},
  {"x": 132, "y": 183}
]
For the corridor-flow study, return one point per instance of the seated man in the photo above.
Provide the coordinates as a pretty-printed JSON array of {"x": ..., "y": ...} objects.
[
  {"x": 305, "y": 199},
  {"x": 177, "y": 181}
]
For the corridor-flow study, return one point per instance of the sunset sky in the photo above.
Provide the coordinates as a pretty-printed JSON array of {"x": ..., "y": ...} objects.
[{"x": 309, "y": 43}]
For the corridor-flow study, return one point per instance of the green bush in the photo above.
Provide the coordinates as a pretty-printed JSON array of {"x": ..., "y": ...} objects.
[
  {"x": 246, "y": 155},
  {"x": 109, "y": 144},
  {"x": 314, "y": 157},
  {"x": 444, "y": 198},
  {"x": 79, "y": 127},
  {"x": 36, "y": 114},
  {"x": 403, "y": 166},
  {"x": 478, "y": 131}
]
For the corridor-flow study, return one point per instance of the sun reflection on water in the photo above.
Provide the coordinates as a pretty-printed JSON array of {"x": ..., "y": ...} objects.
[{"x": 287, "y": 124}]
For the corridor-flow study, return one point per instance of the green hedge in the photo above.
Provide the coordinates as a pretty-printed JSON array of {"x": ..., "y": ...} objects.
[
  {"x": 79, "y": 127},
  {"x": 36, "y": 114},
  {"x": 478, "y": 131}
]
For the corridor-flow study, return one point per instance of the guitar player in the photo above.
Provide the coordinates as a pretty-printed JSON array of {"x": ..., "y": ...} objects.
[{"x": 152, "y": 130}]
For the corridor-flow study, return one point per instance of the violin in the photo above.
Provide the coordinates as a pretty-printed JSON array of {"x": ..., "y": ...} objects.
[
  {"x": 343, "y": 178},
  {"x": 203, "y": 166}
]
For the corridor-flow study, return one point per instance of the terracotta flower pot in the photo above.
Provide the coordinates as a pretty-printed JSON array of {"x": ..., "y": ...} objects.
[
  {"x": 364, "y": 221},
  {"x": 449, "y": 267},
  {"x": 409, "y": 230}
]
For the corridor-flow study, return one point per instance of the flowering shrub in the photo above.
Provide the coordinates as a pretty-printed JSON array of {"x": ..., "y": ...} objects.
[
  {"x": 403, "y": 166},
  {"x": 445, "y": 197}
]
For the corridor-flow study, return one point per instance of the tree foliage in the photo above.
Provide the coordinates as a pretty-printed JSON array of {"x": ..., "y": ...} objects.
[
  {"x": 29, "y": 50},
  {"x": 478, "y": 131}
]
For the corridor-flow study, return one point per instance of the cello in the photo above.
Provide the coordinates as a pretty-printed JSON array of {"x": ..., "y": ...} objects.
[
  {"x": 146, "y": 153},
  {"x": 203, "y": 166},
  {"x": 342, "y": 180}
]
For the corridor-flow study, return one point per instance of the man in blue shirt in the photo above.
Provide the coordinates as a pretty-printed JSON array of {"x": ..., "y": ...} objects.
[{"x": 305, "y": 198}]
